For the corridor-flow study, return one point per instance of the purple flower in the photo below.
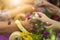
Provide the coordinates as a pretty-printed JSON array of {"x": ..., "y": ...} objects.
[
  {"x": 4, "y": 36},
  {"x": 46, "y": 34}
]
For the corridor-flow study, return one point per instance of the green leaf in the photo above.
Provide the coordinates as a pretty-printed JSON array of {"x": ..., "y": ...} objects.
[
  {"x": 47, "y": 13},
  {"x": 53, "y": 37},
  {"x": 47, "y": 39},
  {"x": 44, "y": 39},
  {"x": 34, "y": 36}
]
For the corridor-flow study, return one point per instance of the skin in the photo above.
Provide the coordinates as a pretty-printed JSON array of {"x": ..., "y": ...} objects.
[
  {"x": 21, "y": 9},
  {"x": 51, "y": 8},
  {"x": 9, "y": 4},
  {"x": 9, "y": 28},
  {"x": 5, "y": 28},
  {"x": 44, "y": 18}
]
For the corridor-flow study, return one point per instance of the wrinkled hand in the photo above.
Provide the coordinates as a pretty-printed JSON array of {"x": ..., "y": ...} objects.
[
  {"x": 40, "y": 2},
  {"x": 41, "y": 17},
  {"x": 29, "y": 26}
]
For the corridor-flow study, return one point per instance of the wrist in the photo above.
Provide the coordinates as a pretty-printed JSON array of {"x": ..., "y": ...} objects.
[
  {"x": 55, "y": 24},
  {"x": 49, "y": 21}
]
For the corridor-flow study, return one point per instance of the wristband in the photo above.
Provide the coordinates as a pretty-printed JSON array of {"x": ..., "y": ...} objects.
[{"x": 20, "y": 26}]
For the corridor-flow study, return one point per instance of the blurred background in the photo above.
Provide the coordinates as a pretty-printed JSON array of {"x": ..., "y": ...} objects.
[{"x": 55, "y": 2}]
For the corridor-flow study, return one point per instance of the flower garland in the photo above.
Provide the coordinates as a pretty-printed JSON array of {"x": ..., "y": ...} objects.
[{"x": 42, "y": 33}]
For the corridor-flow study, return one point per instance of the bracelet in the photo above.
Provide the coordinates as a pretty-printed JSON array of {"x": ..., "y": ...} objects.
[{"x": 18, "y": 23}]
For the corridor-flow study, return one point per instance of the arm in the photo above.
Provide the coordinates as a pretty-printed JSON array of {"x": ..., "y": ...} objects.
[
  {"x": 44, "y": 18},
  {"x": 5, "y": 28},
  {"x": 51, "y": 8},
  {"x": 55, "y": 24},
  {"x": 24, "y": 8}
]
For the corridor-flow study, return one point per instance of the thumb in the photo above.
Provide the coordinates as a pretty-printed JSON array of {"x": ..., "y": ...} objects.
[
  {"x": 39, "y": 19},
  {"x": 40, "y": 14},
  {"x": 37, "y": 15}
]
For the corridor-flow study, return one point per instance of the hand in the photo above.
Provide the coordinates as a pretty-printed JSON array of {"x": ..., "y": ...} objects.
[
  {"x": 10, "y": 4},
  {"x": 40, "y": 2},
  {"x": 41, "y": 17},
  {"x": 29, "y": 26},
  {"x": 21, "y": 9}
]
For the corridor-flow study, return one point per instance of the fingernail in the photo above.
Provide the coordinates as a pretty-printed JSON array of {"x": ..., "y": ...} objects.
[{"x": 48, "y": 24}]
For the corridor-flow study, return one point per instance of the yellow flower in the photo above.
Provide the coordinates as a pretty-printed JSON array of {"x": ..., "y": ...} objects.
[{"x": 26, "y": 36}]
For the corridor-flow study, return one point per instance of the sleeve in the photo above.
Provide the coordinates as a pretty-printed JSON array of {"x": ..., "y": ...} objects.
[{"x": 4, "y": 15}]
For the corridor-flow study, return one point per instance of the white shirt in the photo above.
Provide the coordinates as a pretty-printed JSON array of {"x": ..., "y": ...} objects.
[
  {"x": 4, "y": 12},
  {"x": 4, "y": 15}
]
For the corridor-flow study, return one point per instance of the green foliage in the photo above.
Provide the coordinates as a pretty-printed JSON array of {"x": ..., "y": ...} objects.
[{"x": 47, "y": 13}]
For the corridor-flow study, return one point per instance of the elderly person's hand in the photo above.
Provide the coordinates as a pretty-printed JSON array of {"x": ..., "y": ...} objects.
[
  {"x": 40, "y": 2},
  {"x": 41, "y": 16},
  {"x": 50, "y": 23},
  {"x": 29, "y": 26},
  {"x": 50, "y": 7}
]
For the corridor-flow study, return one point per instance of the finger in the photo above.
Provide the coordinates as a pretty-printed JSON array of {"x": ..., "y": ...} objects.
[
  {"x": 36, "y": 15},
  {"x": 25, "y": 8},
  {"x": 22, "y": 9},
  {"x": 49, "y": 26},
  {"x": 28, "y": 1},
  {"x": 20, "y": 16},
  {"x": 27, "y": 25},
  {"x": 41, "y": 14},
  {"x": 36, "y": 18},
  {"x": 39, "y": 19}
]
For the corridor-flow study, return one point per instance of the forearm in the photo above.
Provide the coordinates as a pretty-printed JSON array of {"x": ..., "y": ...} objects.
[
  {"x": 55, "y": 24},
  {"x": 13, "y": 12},
  {"x": 21, "y": 9},
  {"x": 52, "y": 8},
  {"x": 5, "y": 28}
]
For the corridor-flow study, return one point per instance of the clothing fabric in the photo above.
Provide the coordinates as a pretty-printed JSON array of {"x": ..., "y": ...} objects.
[{"x": 4, "y": 36}]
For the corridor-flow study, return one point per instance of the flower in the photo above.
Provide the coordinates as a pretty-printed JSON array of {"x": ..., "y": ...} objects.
[
  {"x": 46, "y": 34},
  {"x": 26, "y": 36}
]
